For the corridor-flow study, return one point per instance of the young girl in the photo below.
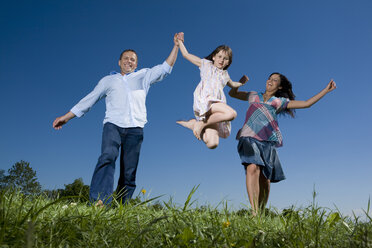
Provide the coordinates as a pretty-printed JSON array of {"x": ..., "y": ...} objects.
[
  {"x": 212, "y": 114},
  {"x": 260, "y": 134}
]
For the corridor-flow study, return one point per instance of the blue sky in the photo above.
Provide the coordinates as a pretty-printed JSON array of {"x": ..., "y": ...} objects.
[{"x": 53, "y": 53}]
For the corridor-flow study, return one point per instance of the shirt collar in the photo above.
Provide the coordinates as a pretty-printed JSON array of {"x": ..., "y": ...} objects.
[
  {"x": 262, "y": 99},
  {"x": 115, "y": 72}
]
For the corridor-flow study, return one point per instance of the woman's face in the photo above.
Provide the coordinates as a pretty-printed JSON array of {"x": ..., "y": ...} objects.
[{"x": 273, "y": 83}]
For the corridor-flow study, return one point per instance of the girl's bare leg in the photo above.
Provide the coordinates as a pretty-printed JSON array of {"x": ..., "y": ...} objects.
[
  {"x": 188, "y": 124},
  {"x": 264, "y": 191},
  {"x": 253, "y": 186},
  {"x": 210, "y": 137},
  {"x": 219, "y": 112}
]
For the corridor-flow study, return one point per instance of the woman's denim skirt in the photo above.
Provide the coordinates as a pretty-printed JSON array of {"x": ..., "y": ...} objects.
[{"x": 262, "y": 153}]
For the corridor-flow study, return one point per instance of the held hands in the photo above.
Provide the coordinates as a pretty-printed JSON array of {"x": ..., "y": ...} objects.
[
  {"x": 180, "y": 36},
  {"x": 175, "y": 40},
  {"x": 243, "y": 80},
  {"x": 235, "y": 85},
  {"x": 177, "y": 37}
]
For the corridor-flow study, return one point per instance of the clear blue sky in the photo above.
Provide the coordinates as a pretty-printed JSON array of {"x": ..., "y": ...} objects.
[{"x": 52, "y": 53}]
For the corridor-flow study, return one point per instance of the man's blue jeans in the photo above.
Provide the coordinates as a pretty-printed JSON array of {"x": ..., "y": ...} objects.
[{"x": 113, "y": 138}]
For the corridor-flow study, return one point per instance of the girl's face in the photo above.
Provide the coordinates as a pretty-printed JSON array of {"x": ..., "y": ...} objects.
[
  {"x": 273, "y": 83},
  {"x": 221, "y": 59}
]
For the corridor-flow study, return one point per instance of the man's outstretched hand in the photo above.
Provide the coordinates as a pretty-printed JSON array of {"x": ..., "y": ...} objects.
[{"x": 62, "y": 120}]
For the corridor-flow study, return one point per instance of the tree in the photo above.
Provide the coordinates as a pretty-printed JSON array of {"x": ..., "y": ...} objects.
[
  {"x": 2, "y": 179},
  {"x": 23, "y": 177},
  {"x": 77, "y": 188}
]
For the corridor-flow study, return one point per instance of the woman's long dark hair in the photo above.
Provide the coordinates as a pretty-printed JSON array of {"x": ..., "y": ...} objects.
[
  {"x": 224, "y": 48},
  {"x": 285, "y": 91}
]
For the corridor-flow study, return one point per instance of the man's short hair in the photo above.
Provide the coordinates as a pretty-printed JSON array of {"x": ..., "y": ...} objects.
[{"x": 127, "y": 50}]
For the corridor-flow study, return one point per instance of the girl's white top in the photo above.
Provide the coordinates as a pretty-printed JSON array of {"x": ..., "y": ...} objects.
[{"x": 209, "y": 91}]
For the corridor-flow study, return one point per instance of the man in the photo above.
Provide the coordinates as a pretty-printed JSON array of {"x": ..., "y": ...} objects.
[{"x": 125, "y": 94}]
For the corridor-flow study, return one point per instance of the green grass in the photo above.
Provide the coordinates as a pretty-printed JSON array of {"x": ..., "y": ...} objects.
[{"x": 29, "y": 221}]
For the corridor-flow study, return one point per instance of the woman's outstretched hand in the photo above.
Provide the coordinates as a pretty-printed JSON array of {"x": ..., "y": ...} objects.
[{"x": 331, "y": 86}]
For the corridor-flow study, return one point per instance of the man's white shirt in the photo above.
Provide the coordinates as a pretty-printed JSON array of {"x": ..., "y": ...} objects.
[{"x": 125, "y": 96}]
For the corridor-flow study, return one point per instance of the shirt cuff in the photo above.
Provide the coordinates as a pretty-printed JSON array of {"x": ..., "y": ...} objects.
[
  {"x": 166, "y": 68},
  {"x": 76, "y": 111}
]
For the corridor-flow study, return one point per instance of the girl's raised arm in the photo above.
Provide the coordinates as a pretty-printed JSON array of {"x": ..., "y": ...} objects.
[
  {"x": 293, "y": 104},
  {"x": 190, "y": 57},
  {"x": 234, "y": 92}
]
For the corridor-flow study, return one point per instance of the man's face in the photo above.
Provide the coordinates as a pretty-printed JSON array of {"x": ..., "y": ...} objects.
[{"x": 128, "y": 62}]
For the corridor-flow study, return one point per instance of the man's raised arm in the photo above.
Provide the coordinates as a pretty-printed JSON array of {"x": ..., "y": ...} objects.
[{"x": 173, "y": 55}]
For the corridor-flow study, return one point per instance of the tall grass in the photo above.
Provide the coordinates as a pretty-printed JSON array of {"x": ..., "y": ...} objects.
[{"x": 28, "y": 221}]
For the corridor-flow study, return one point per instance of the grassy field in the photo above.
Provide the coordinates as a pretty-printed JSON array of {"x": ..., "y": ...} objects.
[{"x": 37, "y": 221}]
